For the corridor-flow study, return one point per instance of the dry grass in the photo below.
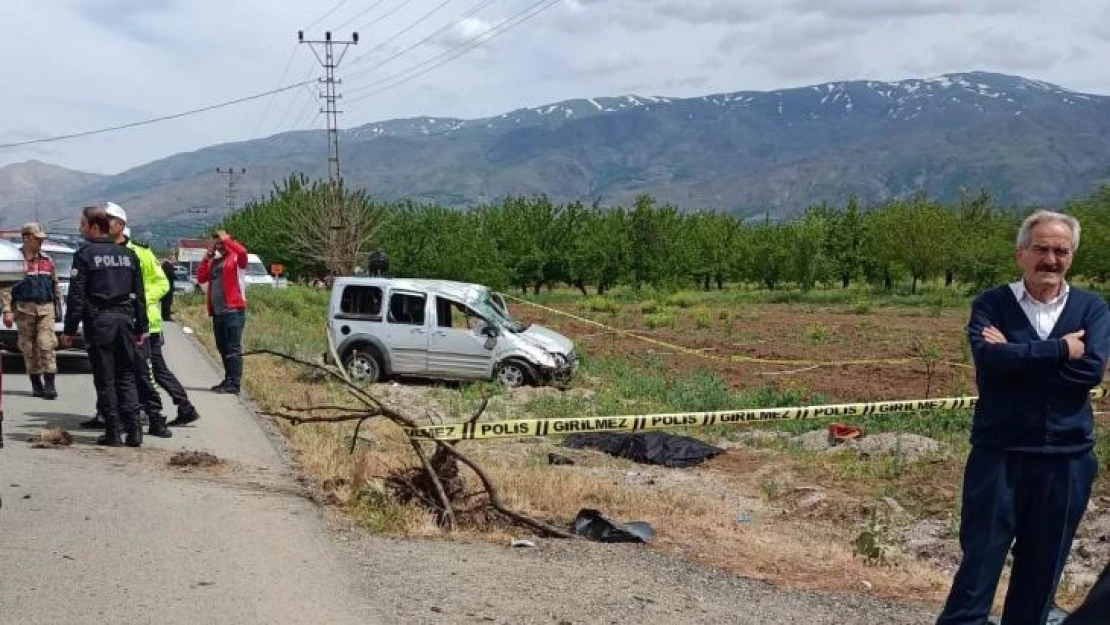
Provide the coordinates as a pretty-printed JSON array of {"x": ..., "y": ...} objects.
[{"x": 696, "y": 511}]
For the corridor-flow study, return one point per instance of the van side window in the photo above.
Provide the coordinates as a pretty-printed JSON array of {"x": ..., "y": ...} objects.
[
  {"x": 451, "y": 314},
  {"x": 362, "y": 301},
  {"x": 407, "y": 309}
]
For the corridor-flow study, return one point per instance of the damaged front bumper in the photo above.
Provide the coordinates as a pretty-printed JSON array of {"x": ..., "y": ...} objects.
[{"x": 562, "y": 374}]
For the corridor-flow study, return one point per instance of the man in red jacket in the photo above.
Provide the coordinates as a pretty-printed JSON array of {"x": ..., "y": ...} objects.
[{"x": 224, "y": 271}]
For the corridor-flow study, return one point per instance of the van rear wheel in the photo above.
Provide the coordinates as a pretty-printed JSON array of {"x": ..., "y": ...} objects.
[{"x": 363, "y": 366}]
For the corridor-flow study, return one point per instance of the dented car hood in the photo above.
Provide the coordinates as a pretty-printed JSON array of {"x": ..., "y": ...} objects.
[{"x": 549, "y": 340}]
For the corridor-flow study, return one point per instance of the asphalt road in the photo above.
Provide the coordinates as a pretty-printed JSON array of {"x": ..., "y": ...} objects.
[{"x": 89, "y": 534}]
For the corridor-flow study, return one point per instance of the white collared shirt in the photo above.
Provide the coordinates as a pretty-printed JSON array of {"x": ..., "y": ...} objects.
[{"x": 1042, "y": 316}]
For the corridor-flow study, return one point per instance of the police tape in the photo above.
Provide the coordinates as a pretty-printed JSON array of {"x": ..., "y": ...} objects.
[
  {"x": 524, "y": 428},
  {"x": 730, "y": 359}
]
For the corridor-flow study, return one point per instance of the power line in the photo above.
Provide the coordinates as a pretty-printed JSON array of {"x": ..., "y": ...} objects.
[
  {"x": 501, "y": 28},
  {"x": 360, "y": 14},
  {"x": 155, "y": 120},
  {"x": 326, "y": 15},
  {"x": 401, "y": 32},
  {"x": 403, "y": 4},
  {"x": 458, "y": 20},
  {"x": 270, "y": 104},
  {"x": 295, "y": 103}
]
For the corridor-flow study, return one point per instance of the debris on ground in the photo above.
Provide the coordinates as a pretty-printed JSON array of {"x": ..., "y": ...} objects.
[
  {"x": 594, "y": 526},
  {"x": 194, "y": 459},
  {"x": 907, "y": 446},
  {"x": 520, "y": 542},
  {"x": 810, "y": 498},
  {"x": 52, "y": 438},
  {"x": 839, "y": 433},
  {"x": 910, "y": 447},
  {"x": 669, "y": 450},
  {"x": 554, "y": 458}
]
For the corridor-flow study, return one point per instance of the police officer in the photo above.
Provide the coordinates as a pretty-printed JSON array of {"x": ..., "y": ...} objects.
[
  {"x": 33, "y": 304},
  {"x": 106, "y": 295}
]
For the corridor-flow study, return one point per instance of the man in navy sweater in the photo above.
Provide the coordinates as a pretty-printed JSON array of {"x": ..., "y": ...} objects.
[{"x": 1039, "y": 346}]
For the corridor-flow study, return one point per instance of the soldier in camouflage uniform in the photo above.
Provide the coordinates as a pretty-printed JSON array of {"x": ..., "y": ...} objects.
[{"x": 33, "y": 305}]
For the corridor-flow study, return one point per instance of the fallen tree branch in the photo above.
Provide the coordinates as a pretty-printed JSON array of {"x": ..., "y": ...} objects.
[
  {"x": 376, "y": 408},
  {"x": 444, "y": 500},
  {"x": 495, "y": 499},
  {"x": 315, "y": 408},
  {"x": 299, "y": 420}
]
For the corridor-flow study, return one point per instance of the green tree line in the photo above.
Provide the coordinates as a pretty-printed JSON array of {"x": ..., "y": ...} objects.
[{"x": 529, "y": 243}]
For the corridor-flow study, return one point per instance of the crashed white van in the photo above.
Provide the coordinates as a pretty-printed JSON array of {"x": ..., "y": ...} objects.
[{"x": 442, "y": 330}]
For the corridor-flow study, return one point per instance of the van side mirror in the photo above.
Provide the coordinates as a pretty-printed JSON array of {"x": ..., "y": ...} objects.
[{"x": 491, "y": 331}]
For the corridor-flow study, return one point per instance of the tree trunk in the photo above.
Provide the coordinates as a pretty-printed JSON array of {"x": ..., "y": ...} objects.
[
  {"x": 581, "y": 284},
  {"x": 706, "y": 282},
  {"x": 845, "y": 280},
  {"x": 720, "y": 281},
  {"x": 913, "y": 287},
  {"x": 949, "y": 276},
  {"x": 536, "y": 290}
]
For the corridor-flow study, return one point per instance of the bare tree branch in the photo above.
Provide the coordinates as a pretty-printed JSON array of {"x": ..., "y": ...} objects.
[
  {"x": 445, "y": 501},
  {"x": 495, "y": 499}
]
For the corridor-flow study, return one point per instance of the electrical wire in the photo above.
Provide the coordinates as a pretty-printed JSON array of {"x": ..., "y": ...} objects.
[
  {"x": 154, "y": 120},
  {"x": 470, "y": 13},
  {"x": 270, "y": 104},
  {"x": 401, "y": 32},
  {"x": 326, "y": 15},
  {"x": 501, "y": 28}
]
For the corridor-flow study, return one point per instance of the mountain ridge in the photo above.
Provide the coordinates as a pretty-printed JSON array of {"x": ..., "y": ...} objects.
[{"x": 1029, "y": 141}]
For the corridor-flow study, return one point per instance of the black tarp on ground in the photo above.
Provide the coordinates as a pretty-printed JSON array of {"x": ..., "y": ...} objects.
[
  {"x": 669, "y": 450},
  {"x": 593, "y": 525}
]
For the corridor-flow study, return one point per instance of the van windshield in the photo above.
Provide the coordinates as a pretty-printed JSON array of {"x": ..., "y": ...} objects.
[
  {"x": 257, "y": 270},
  {"x": 486, "y": 307}
]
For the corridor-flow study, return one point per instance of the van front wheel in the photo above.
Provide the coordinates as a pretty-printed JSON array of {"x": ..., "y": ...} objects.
[
  {"x": 363, "y": 366},
  {"x": 513, "y": 374}
]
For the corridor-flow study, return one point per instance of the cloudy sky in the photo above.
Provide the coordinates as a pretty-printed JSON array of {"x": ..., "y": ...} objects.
[{"x": 74, "y": 65}]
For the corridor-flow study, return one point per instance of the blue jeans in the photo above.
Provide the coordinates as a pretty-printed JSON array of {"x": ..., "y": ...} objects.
[{"x": 228, "y": 328}]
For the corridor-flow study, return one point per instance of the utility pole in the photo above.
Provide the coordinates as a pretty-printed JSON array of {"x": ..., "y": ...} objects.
[
  {"x": 330, "y": 95},
  {"x": 230, "y": 172}
]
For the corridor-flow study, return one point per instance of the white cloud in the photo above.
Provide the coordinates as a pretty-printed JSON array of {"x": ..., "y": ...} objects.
[{"x": 117, "y": 61}]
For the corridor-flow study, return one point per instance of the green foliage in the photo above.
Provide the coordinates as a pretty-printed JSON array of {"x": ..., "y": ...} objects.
[
  {"x": 655, "y": 252},
  {"x": 600, "y": 304}
]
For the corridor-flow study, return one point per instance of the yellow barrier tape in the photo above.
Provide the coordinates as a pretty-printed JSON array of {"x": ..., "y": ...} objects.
[
  {"x": 730, "y": 359},
  {"x": 634, "y": 423}
]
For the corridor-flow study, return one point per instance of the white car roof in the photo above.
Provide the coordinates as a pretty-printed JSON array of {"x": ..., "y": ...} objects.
[{"x": 462, "y": 291}]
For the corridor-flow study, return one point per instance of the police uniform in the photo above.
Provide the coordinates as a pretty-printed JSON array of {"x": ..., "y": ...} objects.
[
  {"x": 106, "y": 295},
  {"x": 34, "y": 303}
]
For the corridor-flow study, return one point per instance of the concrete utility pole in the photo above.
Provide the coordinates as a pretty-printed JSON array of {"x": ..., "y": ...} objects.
[
  {"x": 230, "y": 172},
  {"x": 330, "y": 95}
]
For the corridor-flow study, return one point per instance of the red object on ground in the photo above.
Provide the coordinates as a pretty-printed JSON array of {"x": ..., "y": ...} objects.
[{"x": 838, "y": 433}]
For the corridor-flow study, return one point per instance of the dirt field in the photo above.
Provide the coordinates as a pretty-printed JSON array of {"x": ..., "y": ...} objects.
[{"x": 790, "y": 332}]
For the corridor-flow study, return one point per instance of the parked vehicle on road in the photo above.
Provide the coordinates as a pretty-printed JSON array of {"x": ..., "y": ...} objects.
[{"x": 383, "y": 327}]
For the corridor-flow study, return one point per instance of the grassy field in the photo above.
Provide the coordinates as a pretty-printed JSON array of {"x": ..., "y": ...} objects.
[{"x": 778, "y": 505}]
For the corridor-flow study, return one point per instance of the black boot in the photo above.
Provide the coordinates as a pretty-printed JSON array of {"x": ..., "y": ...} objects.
[
  {"x": 134, "y": 430},
  {"x": 48, "y": 389},
  {"x": 95, "y": 423},
  {"x": 158, "y": 427},
  {"x": 186, "y": 414},
  {"x": 110, "y": 438},
  {"x": 36, "y": 385}
]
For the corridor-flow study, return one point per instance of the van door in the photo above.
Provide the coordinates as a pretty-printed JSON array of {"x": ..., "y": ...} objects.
[
  {"x": 405, "y": 333},
  {"x": 456, "y": 349}
]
